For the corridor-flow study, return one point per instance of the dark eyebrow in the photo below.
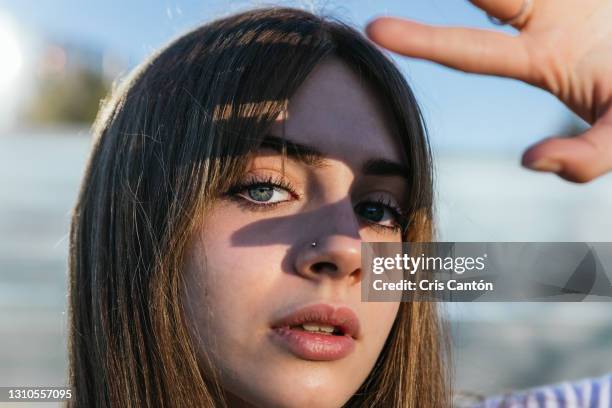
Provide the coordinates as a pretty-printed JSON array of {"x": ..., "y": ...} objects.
[
  {"x": 297, "y": 151},
  {"x": 313, "y": 157},
  {"x": 384, "y": 167}
]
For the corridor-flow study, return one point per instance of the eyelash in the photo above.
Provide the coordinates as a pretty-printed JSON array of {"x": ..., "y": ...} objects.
[{"x": 279, "y": 182}]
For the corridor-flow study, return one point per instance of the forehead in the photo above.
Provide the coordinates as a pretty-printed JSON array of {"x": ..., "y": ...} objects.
[{"x": 338, "y": 113}]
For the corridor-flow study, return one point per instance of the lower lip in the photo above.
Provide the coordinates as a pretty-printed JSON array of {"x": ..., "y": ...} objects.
[{"x": 314, "y": 346}]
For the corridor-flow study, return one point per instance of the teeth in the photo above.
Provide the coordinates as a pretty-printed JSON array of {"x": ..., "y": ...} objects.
[
  {"x": 327, "y": 329},
  {"x": 318, "y": 328}
]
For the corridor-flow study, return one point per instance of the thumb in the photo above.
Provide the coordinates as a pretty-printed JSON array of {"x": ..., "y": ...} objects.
[{"x": 578, "y": 159}]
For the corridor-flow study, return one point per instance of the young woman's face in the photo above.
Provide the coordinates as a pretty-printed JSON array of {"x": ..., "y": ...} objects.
[{"x": 280, "y": 318}]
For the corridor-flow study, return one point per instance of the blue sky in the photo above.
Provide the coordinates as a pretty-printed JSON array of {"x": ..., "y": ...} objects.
[{"x": 463, "y": 111}]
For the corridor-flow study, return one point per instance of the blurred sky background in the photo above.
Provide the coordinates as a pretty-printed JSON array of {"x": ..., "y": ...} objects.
[{"x": 58, "y": 59}]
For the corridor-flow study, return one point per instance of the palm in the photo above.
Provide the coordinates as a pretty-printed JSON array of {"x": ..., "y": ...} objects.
[{"x": 564, "y": 47}]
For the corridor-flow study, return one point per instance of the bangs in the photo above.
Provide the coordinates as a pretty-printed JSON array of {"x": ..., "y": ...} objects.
[{"x": 223, "y": 86}]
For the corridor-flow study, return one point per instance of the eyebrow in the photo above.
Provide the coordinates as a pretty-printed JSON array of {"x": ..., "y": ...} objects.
[{"x": 315, "y": 158}]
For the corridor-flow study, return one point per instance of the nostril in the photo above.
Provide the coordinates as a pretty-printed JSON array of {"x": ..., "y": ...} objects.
[{"x": 321, "y": 266}]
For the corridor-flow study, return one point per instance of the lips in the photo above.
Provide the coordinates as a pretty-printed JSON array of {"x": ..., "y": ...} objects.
[{"x": 319, "y": 332}]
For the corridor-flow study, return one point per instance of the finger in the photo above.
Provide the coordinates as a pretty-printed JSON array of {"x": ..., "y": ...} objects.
[
  {"x": 578, "y": 159},
  {"x": 471, "y": 50},
  {"x": 502, "y": 9},
  {"x": 507, "y": 9}
]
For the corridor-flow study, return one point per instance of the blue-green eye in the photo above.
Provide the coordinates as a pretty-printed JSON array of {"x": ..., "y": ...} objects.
[
  {"x": 263, "y": 192},
  {"x": 266, "y": 193}
]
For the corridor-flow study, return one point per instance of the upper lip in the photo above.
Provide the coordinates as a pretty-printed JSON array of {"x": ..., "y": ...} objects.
[{"x": 341, "y": 317}]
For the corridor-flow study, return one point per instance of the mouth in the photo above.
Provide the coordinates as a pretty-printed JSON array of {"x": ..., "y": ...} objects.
[{"x": 319, "y": 332}]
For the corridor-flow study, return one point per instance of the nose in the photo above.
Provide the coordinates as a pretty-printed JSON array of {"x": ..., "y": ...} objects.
[{"x": 335, "y": 256}]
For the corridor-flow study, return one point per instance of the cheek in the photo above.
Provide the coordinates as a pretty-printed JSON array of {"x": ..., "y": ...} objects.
[
  {"x": 379, "y": 317},
  {"x": 230, "y": 288},
  {"x": 228, "y": 284},
  {"x": 227, "y": 270}
]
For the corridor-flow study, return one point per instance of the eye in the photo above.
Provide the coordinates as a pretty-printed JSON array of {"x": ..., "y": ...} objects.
[
  {"x": 381, "y": 213},
  {"x": 261, "y": 193},
  {"x": 265, "y": 194}
]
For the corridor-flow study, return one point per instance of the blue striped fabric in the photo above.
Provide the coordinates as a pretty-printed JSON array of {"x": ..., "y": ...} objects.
[{"x": 589, "y": 393}]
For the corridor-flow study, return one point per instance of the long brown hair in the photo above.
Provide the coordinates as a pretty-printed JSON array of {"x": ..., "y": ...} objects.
[{"x": 171, "y": 137}]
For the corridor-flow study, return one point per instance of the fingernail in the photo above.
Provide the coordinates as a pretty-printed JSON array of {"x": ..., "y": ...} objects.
[{"x": 545, "y": 165}]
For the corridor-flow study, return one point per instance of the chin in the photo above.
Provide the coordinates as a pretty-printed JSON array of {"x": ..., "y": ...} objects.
[
  {"x": 298, "y": 398},
  {"x": 310, "y": 390}
]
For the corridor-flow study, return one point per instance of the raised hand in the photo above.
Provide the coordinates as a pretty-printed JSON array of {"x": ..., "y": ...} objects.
[{"x": 563, "y": 46}]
